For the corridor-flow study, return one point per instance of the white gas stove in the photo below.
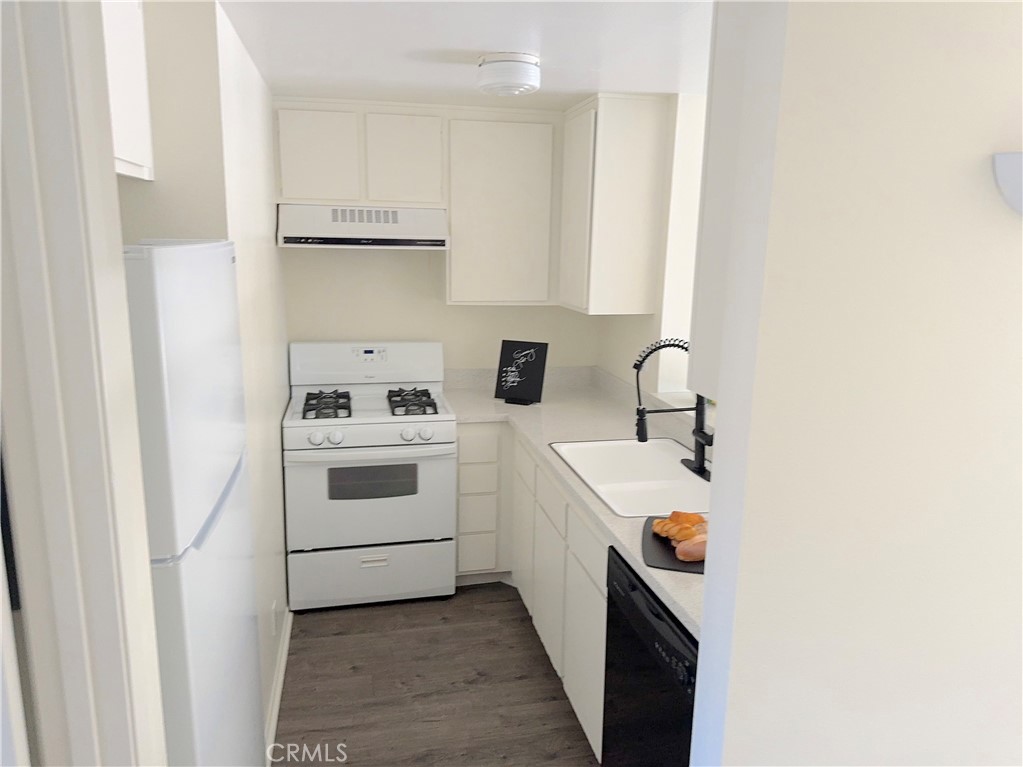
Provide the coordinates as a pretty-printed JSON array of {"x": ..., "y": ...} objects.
[
  {"x": 370, "y": 471},
  {"x": 351, "y": 395}
]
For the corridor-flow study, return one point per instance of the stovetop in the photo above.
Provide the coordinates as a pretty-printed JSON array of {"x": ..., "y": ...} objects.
[
  {"x": 325, "y": 406},
  {"x": 363, "y": 394},
  {"x": 411, "y": 402}
]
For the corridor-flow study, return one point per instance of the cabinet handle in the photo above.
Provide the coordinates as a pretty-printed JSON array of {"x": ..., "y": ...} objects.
[{"x": 377, "y": 561}]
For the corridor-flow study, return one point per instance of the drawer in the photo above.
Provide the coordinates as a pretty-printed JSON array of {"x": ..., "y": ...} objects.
[
  {"x": 477, "y": 478},
  {"x": 370, "y": 574},
  {"x": 525, "y": 467},
  {"x": 477, "y": 551},
  {"x": 477, "y": 514},
  {"x": 551, "y": 500},
  {"x": 588, "y": 546},
  {"x": 478, "y": 443}
]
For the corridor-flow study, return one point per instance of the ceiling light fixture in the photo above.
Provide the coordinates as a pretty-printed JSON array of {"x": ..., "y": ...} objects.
[{"x": 508, "y": 74}]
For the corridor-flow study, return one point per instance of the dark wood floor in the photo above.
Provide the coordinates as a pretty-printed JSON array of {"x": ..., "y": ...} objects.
[{"x": 461, "y": 681}]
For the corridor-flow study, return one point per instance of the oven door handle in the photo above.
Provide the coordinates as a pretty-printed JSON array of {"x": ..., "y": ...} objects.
[{"x": 353, "y": 455}]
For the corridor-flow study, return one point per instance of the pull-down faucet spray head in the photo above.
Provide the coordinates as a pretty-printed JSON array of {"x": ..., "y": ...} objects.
[
  {"x": 666, "y": 343},
  {"x": 702, "y": 439}
]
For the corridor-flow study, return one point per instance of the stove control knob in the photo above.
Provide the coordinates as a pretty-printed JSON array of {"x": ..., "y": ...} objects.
[
  {"x": 316, "y": 438},
  {"x": 426, "y": 433},
  {"x": 336, "y": 437},
  {"x": 408, "y": 434}
]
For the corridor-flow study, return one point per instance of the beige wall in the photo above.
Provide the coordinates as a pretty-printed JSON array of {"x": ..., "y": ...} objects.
[
  {"x": 213, "y": 145},
  {"x": 187, "y": 199},
  {"x": 680, "y": 256},
  {"x": 249, "y": 187},
  {"x": 877, "y": 586},
  {"x": 621, "y": 341},
  {"x": 370, "y": 295}
]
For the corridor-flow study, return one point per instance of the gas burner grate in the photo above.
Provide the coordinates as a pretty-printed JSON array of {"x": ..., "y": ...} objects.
[
  {"x": 411, "y": 402},
  {"x": 327, "y": 404}
]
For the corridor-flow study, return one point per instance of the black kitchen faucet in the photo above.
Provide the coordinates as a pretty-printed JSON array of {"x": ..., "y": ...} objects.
[{"x": 703, "y": 440}]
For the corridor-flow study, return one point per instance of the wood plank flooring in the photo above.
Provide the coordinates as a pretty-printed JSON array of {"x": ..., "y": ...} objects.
[{"x": 462, "y": 681}]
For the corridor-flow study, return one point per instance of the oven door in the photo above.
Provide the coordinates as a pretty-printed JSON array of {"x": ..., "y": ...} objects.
[{"x": 363, "y": 496}]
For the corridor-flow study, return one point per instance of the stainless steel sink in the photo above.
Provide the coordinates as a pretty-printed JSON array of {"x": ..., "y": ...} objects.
[{"x": 637, "y": 479}]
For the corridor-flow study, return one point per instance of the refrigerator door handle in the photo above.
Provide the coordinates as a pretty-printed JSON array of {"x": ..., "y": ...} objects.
[
  {"x": 211, "y": 520},
  {"x": 218, "y": 509}
]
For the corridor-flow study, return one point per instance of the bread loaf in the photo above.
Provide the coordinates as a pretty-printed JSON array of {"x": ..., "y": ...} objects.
[
  {"x": 687, "y": 532},
  {"x": 686, "y": 517},
  {"x": 693, "y": 549}
]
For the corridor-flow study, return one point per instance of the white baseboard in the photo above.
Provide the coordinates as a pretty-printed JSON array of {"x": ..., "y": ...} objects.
[
  {"x": 473, "y": 578},
  {"x": 270, "y": 731}
]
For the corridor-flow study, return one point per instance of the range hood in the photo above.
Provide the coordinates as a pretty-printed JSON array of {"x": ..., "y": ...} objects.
[{"x": 350, "y": 226}]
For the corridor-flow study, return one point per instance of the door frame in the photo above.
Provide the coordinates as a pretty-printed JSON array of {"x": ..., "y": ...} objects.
[{"x": 70, "y": 437}]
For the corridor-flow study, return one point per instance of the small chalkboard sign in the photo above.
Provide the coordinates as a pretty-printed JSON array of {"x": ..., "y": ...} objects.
[{"x": 520, "y": 372}]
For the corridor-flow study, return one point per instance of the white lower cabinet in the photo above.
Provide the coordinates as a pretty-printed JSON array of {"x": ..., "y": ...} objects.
[
  {"x": 477, "y": 552},
  {"x": 559, "y": 566},
  {"x": 549, "y": 586},
  {"x": 523, "y": 514},
  {"x": 479, "y": 498},
  {"x": 477, "y": 513},
  {"x": 583, "y": 664}
]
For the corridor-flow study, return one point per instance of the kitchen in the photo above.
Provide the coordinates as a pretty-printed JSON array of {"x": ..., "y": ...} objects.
[{"x": 219, "y": 182}]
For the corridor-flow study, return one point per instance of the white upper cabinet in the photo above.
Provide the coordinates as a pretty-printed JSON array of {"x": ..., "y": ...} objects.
[
  {"x": 404, "y": 158},
  {"x": 359, "y": 156},
  {"x": 319, "y": 155},
  {"x": 617, "y": 158},
  {"x": 128, "y": 84},
  {"x": 576, "y": 201},
  {"x": 500, "y": 213}
]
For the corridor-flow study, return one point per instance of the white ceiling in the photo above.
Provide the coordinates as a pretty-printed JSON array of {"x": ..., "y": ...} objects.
[{"x": 427, "y": 51}]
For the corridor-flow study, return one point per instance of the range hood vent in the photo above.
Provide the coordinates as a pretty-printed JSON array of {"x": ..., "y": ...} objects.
[{"x": 344, "y": 226}]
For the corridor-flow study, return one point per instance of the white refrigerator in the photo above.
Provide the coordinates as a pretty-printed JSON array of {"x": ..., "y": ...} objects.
[{"x": 184, "y": 325}]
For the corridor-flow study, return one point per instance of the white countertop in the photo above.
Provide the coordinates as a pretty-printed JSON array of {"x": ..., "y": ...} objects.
[{"x": 593, "y": 410}]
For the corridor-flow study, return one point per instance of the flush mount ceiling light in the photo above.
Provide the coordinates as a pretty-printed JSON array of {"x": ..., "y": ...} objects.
[{"x": 508, "y": 74}]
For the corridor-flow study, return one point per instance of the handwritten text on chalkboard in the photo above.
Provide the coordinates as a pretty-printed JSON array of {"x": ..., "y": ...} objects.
[{"x": 520, "y": 371}]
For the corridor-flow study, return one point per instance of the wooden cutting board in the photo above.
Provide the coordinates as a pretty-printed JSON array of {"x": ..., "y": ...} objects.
[{"x": 658, "y": 552}]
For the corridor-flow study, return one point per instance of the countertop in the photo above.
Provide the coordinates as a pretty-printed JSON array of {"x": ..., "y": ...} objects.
[{"x": 592, "y": 409}]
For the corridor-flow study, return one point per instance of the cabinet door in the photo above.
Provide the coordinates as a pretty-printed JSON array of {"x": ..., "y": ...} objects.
[
  {"x": 478, "y": 478},
  {"x": 549, "y": 587},
  {"x": 524, "y": 466},
  {"x": 404, "y": 158},
  {"x": 588, "y": 546},
  {"x": 477, "y": 552},
  {"x": 576, "y": 201},
  {"x": 500, "y": 211},
  {"x": 631, "y": 188},
  {"x": 477, "y": 513},
  {"x": 551, "y": 500},
  {"x": 585, "y": 634},
  {"x": 319, "y": 155},
  {"x": 478, "y": 443},
  {"x": 128, "y": 84},
  {"x": 523, "y": 512}
]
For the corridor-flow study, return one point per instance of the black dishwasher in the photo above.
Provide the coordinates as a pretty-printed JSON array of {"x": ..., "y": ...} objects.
[{"x": 649, "y": 676}]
